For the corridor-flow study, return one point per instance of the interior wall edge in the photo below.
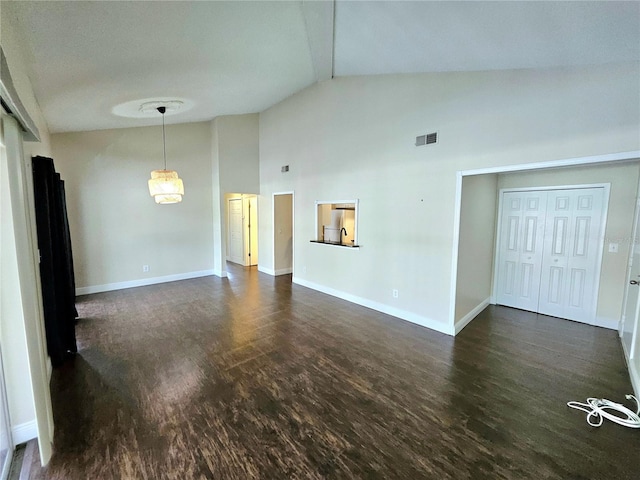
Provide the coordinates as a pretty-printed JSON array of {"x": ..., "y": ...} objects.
[
  {"x": 268, "y": 271},
  {"x": 275, "y": 273},
  {"x": 464, "y": 321},
  {"x": 219, "y": 273},
  {"x": 635, "y": 380},
  {"x": 633, "y": 372},
  {"x": 284, "y": 271}
]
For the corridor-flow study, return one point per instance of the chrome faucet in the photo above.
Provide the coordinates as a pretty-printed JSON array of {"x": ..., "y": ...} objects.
[{"x": 345, "y": 234}]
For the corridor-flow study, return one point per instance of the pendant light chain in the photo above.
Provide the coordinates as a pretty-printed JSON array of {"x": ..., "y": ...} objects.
[
  {"x": 165, "y": 185},
  {"x": 164, "y": 146}
]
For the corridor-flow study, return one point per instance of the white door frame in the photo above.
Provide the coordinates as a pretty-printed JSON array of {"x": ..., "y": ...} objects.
[
  {"x": 29, "y": 330},
  {"x": 293, "y": 229},
  {"x": 251, "y": 231},
  {"x": 4, "y": 399},
  {"x": 609, "y": 158},
  {"x": 605, "y": 211}
]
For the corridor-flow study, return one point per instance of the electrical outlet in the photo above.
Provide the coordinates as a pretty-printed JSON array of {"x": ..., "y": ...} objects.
[
  {"x": 145, "y": 268},
  {"x": 395, "y": 293}
]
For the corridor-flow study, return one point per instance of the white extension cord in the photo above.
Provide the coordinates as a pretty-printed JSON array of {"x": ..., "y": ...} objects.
[{"x": 598, "y": 409}]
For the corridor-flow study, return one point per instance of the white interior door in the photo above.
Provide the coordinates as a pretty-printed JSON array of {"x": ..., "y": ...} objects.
[
  {"x": 520, "y": 259},
  {"x": 549, "y": 251},
  {"x": 571, "y": 251},
  {"x": 236, "y": 240}
]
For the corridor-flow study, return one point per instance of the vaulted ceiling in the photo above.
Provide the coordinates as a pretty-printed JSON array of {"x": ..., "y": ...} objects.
[{"x": 233, "y": 57}]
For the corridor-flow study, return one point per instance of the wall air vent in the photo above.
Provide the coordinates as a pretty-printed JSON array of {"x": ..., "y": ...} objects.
[{"x": 427, "y": 139}]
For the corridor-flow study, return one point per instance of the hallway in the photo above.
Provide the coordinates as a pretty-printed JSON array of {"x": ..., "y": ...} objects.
[{"x": 253, "y": 377}]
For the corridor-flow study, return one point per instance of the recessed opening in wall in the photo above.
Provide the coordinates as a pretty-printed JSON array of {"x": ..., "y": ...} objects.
[{"x": 337, "y": 223}]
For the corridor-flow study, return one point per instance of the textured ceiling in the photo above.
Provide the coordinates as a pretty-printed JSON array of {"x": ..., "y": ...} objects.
[
  {"x": 84, "y": 58},
  {"x": 402, "y": 37}
]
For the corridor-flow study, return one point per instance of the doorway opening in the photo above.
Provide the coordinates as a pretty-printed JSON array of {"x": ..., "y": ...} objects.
[
  {"x": 283, "y": 236},
  {"x": 242, "y": 229},
  {"x": 473, "y": 283}
]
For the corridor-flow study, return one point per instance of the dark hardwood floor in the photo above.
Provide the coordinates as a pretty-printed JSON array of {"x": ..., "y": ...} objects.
[{"x": 251, "y": 377}]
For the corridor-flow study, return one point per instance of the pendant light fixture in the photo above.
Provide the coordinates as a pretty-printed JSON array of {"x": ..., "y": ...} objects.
[{"x": 165, "y": 186}]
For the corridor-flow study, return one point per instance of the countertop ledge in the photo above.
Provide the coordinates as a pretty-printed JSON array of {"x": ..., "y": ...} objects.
[{"x": 335, "y": 244}]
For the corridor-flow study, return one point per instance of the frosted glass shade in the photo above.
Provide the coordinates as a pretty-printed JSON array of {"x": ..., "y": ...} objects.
[{"x": 166, "y": 187}]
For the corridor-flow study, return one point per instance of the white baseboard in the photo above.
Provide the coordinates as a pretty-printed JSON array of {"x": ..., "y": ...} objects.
[
  {"x": 274, "y": 273},
  {"x": 268, "y": 271},
  {"x": 464, "y": 321},
  {"x": 24, "y": 432},
  {"x": 380, "y": 307},
  {"x": 219, "y": 273},
  {"x": 107, "y": 287},
  {"x": 603, "y": 322}
]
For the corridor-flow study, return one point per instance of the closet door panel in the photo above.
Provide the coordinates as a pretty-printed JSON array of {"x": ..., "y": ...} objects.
[
  {"x": 571, "y": 251},
  {"x": 555, "y": 259},
  {"x": 585, "y": 247},
  {"x": 520, "y": 253}
]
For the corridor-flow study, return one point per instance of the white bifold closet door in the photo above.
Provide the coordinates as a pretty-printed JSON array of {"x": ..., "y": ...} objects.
[{"x": 550, "y": 245}]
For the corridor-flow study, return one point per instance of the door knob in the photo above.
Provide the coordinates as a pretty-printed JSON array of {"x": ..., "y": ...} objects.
[{"x": 633, "y": 282}]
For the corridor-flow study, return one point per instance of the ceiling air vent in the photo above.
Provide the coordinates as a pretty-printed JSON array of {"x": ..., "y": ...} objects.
[{"x": 427, "y": 139}]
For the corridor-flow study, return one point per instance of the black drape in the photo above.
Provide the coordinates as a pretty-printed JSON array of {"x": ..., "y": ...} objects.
[{"x": 56, "y": 260}]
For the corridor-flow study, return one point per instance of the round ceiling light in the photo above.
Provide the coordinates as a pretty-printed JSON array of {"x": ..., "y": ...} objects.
[{"x": 148, "y": 107}]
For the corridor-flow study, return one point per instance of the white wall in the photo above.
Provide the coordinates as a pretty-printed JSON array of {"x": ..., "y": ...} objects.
[
  {"x": 476, "y": 244},
  {"x": 624, "y": 185},
  {"x": 235, "y": 169},
  {"x": 24, "y": 348},
  {"x": 16, "y": 60},
  {"x": 354, "y": 138},
  {"x": 238, "y": 149},
  {"x": 116, "y": 227}
]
